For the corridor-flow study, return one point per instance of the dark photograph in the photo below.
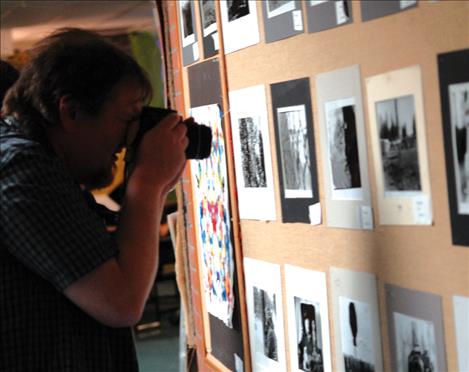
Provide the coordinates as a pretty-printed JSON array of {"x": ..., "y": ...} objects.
[
  {"x": 208, "y": 13},
  {"x": 265, "y": 318},
  {"x": 295, "y": 154},
  {"x": 186, "y": 10},
  {"x": 398, "y": 141},
  {"x": 308, "y": 328},
  {"x": 356, "y": 335},
  {"x": 459, "y": 109},
  {"x": 252, "y": 152},
  {"x": 415, "y": 344},
  {"x": 343, "y": 145},
  {"x": 237, "y": 9}
]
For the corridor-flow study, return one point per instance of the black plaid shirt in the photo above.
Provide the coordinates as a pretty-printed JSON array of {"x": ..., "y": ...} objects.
[{"x": 49, "y": 238}]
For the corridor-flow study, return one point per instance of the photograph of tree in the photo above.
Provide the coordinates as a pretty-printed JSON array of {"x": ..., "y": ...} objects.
[
  {"x": 208, "y": 13},
  {"x": 188, "y": 28},
  {"x": 415, "y": 344},
  {"x": 237, "y": 9},
  {"x": 356, "y": 335},
  {"x": 343, "y": 144},
  {"x": 398, "y": 142},
  {"x": 265, "y": 319},
  {"x": 252, "y": 152},
  {"x": 294, "y": 149},
  {"x": 309, "y": 337},
  {"x": 459, "y": 111}
]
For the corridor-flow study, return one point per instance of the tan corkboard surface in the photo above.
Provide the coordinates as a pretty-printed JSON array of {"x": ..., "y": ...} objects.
[{"x": 414, "y": 257}]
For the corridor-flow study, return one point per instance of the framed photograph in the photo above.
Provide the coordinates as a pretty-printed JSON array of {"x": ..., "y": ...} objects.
[
  {"x": 415, "y": 343},
  {"x": 265, "y": 315},
  {"x": 461, "y": 325},
  {"x": 278, "y": 7},
  {"x": 397, "y": 130},
  {"x": 282, "y": 19},
  {"x": 356, "y": 321},
  {"x": 212, "y": 211},
  {"x": 291, "y": 105},
  {"x": 308, "y": 323},
  {"x": 326, "y": 14},
  {"x": 294, "y": 150},
  {"x": 344, "y": 149},
  {"x": 342, "y": 145},
  {"x": 208, "y": 16},
  {"x": 240, "y": 27},
  {"x": 187, "y": 22},
  {"x": 252, "y": 154},
  {"x": 415, "y": 327},
  {"x": 454, "y": 94},
  {"x": 375, "y": 9}
]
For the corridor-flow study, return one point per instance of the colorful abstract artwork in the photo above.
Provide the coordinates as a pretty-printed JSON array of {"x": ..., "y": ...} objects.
[{"x": 211, "y": 203}]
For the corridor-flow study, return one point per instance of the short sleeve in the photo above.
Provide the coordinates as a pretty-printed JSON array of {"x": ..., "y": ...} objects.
[{"x": 46, "y": 222}]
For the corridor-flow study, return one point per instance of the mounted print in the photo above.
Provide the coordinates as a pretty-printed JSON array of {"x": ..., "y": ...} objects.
[
  {"x": 375, "y": 9},
  {"x": 239, "y": 22},
  {"x": 461, "y": 325},
  {"x": 212, "y": 218},
  {"x": 282, "y": 19},
  {"x": 265, "y": 315},
  {"x": 415, "y": 327},
  {"x": 326, "y": 14},
  {"x": 454, "y": 94},
  {"x": 208, "y": 19},
  {"x": 356, "y": 321},
  {"x": 343, "y": 149},
  {"x": 397, "y": 129},
  {"x": 252, "y": 154},
  {"x": 188, "y": 32},
  {"x": 308, "y": 322},
  {"x": 291, "y": 105}
]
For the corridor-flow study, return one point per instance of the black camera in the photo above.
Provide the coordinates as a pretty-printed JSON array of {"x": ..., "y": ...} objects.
[{"x": 199, "y": 136}]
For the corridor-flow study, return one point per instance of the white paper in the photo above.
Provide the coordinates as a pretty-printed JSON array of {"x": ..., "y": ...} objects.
[
  {"x": 461, "y": 325},
  {"x": 195, "y": 50},
  {"x": 308, "y": 320},
  {"x": 216, "y": 41},
  {"x": 265, "y": 315},
  {"x": 276, "y": 8},
  {"x": 366, "y": 214},
  {"x": 406, "y": 3},
  {"x": 252, "y": 154},
  {"x": 297, "y": 20},
  {"x": 340, "y": 12},
  {"x": 240, "y": 29},
  {"x": 422, "y": 210},
  {"x": 315, "y": 214},
  {"x": 239, "y": 365}
]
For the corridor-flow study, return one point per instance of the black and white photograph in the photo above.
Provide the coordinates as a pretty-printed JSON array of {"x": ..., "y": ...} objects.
[
  {"x": 265, "y": 319},
  {"x": 309, "y": 337},
  {"x": 277, "y": 7},
  {"x": 295, "y": 152},
  {"x": 237, "y": 9},
  {"x": 356, "y": 335},
  {"x": 317, "y": 2},
  {"x": 398, "y": 143},
  {"x": 252, "y": 152},
  {"x": 209, "y": 18},
  {"x": 415, "y": 344},
  {"x": 343, "y": 144},
  {"x": 186, "y": 12},
  {"x": 459, "y": 111}
]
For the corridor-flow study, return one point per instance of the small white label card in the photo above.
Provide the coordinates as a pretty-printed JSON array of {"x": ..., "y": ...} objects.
[
  {"x": 195, "y": 50},
  {"x": 422, "y": 210},
  {"x": 216, "y": 43},
  {"x": 366, "y": 214},
  {"x": 315, "y": 214},
  {"x": 340, "y": 12},
  {"x": 238, "y": 363},
  {"x": 297, "y": 20}
]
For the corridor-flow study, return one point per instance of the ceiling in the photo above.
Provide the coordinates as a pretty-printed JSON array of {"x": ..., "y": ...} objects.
[{"x": 25, "y": 21}]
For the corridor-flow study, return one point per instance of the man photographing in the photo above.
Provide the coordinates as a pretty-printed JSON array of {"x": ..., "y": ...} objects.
[{"x": 69, "y": 292}]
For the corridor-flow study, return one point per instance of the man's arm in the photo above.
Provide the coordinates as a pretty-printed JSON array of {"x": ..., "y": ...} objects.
[{"x": 115, "y": 293}]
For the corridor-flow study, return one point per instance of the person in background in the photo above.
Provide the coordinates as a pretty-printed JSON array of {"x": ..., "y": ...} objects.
[
  {"x": 8, "y": 76},
  {"x": 69, "y": 290}
]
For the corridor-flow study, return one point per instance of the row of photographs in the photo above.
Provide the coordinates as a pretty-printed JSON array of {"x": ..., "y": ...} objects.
[
  {"x": 281, "y": 19},
  {"x": 414, "y": 320}
]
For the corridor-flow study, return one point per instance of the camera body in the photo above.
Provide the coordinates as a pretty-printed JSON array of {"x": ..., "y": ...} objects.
[{"x": 199, "y": 136}]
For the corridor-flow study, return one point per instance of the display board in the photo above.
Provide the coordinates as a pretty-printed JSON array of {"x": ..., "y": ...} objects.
[{"x": 416, "y": 257}]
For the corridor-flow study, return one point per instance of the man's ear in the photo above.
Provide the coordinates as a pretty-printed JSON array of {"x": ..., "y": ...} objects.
[{"x": 68, "y": 109}]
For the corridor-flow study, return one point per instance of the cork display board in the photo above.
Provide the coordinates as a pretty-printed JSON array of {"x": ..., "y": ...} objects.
[{"x": 415, "y": 257}]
